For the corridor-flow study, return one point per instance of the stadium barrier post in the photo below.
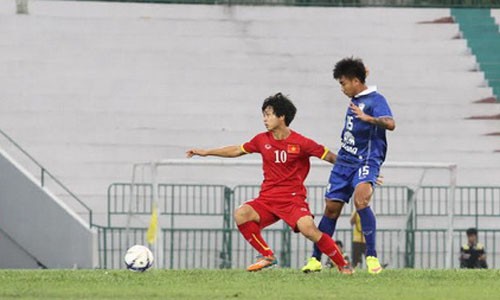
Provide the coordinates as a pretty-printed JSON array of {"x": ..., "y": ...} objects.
[
  {"x": 129, "y": 208},
  {"x": 410, "y": 232},
  {"x": 451, "y": 213},
  {"x": 157, "y": 242},
  {"x": 226, "y": 253}
]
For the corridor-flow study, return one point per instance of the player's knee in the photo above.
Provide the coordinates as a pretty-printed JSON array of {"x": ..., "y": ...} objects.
[
  {"x": 309, "y": 230},
  {"x": 362, "y": 195},
  {"x": 243, "y": 214},
  {"x": 361, "y": 203},
  {"x": 309, "y": 233},
  {"x": 333, "y": 210},
  {"x": 332, "y": 214},
  {"x": 314, "y": 235}
]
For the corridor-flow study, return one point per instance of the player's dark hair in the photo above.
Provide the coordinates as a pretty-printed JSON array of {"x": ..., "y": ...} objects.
[
  {"x": 350, "y": 68},
  {"x": 339, "y": 243},
  {"x": 471, "y": 231},
  {"x": 282, "y": 106}
]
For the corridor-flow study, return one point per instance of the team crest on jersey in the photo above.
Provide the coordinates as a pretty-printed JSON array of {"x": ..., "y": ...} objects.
[
  {"x": 349, "y": 138},
  {"x": 361, "y": 106},
  {"x": 349, "y": 143},
  {"x": 293, "y": 149},
  {"x": 267, "y": 146}
]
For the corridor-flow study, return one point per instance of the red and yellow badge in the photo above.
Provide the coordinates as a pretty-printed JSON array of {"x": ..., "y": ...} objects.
[{"x": 293, "y": 149}]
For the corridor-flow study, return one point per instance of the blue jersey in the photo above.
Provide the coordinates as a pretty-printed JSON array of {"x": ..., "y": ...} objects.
[{"x": 363, "y": 142}]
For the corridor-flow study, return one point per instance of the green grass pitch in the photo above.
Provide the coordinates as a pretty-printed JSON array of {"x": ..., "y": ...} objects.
[{"x": 238, "y": 284}]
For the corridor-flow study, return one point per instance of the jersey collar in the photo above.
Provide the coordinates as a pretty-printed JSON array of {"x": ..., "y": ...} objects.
[{"x": 369, "y": 90}]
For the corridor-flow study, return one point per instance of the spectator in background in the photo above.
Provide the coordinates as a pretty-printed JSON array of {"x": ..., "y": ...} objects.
[
  {"x": 358, "y": 240},
  {"x": 472, "y": 254}
]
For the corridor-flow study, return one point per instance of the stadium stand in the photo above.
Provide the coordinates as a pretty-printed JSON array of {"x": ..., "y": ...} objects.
[
  {"x": 478, "y": 27},
  {"x": 111, "y": 84},
  {"x": 89, "y": 88},
  {"x": 495, "y": 13}
]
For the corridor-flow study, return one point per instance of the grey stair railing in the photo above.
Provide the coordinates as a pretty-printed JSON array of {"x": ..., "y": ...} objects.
[{"x": 45, "y": 173}]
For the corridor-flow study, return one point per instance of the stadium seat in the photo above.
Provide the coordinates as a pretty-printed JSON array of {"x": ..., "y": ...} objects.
[{"x": 93, "y": 87}]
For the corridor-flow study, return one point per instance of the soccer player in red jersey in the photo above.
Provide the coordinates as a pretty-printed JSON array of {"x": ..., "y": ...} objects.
[{"x": 285, "y": 162}]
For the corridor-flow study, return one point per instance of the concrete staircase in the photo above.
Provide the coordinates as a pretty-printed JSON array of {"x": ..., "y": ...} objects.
[
  {"x": 88, "y": 88},
  {"x": 478, "y": 27}
]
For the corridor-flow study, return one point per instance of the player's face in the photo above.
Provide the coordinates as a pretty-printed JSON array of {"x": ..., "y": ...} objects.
[
  {"x": 271, "y": 121},
  {"x": 349, "y": 86},
  {"x": 472, "y": 239}
]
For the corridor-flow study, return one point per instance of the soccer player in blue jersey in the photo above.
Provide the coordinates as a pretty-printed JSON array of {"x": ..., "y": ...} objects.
[{"x": 359, "y": 159}]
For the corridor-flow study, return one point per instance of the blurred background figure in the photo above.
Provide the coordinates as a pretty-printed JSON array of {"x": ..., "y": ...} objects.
[
  {"x": 472, "y": 253},
  {"x": 358, "y": 240}
]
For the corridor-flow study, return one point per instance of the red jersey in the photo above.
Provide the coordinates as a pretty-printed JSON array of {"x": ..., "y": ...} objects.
[{"x": 285, "y": 162}]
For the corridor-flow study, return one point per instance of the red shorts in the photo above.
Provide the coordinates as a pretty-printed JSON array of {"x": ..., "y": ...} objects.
[{"x": 288, "y": 210}]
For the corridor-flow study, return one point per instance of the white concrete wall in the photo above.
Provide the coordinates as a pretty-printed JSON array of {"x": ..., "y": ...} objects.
[
  {"x": 495, "y": 13},
  {"x": 90, "y": 88},
  {"x": 14, "y": 256},
  {"x": 36, "y": 227}
]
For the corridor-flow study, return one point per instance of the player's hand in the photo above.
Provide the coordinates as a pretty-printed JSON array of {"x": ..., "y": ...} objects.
[
  {"x": 192, "y": 152},
  {"x": 359, "y": 112},
  {"x": 380, "y": 180}
]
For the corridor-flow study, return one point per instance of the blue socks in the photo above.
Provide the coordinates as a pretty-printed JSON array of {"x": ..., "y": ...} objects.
[
  {"x": 368, "y": 224},
  {"x": 369, "y": 227},
  {"x": 326, "y": 225}
]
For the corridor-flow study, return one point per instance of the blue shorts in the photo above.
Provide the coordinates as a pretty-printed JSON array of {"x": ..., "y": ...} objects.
[{"x": 344, "y": 179}]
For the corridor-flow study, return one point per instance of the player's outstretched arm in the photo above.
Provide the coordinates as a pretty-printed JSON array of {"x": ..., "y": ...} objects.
[
  {"x": 330, "y": 157},
  {"x": 228, "y": 151},
  {"x": 384, "y": 122}
]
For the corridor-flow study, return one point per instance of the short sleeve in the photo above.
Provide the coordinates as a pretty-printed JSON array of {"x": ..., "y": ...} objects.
[
  {"x": 251, "y": 146},
  {"x": 314, "y": 149},
  {"x": 381, "y": 108}
]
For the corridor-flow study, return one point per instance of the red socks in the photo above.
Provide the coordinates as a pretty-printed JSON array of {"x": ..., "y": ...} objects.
[
  {"x": 251, "y": 232},
  {"x": 327, "y": 245}
]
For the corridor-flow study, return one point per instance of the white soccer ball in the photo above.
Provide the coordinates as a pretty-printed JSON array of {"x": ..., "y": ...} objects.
[{"x": 138, "y": 258}]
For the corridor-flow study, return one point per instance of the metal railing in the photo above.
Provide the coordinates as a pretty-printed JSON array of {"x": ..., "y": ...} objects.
[
  {"x": 177, "y": 199},
  {"x": 432, "y": 200},
  {"x": 203, "y": 247},
  {"x": 199, "y": 230},
  {"x": 45, "y": 174},
  {"x": 469, "y": 201}
]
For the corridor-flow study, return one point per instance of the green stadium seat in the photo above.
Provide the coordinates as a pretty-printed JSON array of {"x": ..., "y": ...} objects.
[{"x": 483, "y": 38}]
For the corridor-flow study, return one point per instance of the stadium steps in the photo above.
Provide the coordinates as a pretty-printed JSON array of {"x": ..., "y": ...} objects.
[
  {"x": 478, "y": 26},
  {"x": 37, "y": 229},
  {"x": 111, "y": 84}
]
